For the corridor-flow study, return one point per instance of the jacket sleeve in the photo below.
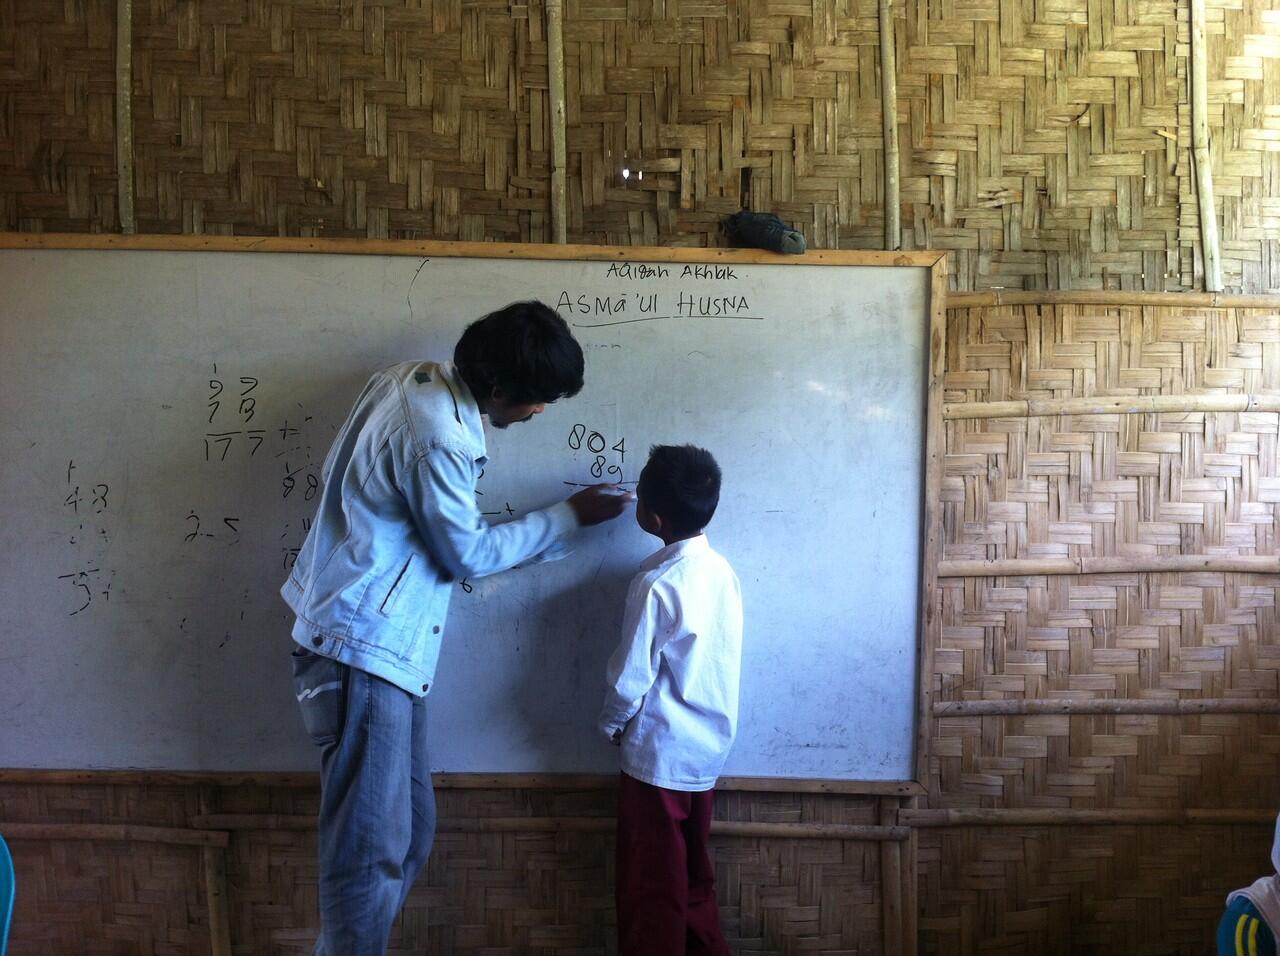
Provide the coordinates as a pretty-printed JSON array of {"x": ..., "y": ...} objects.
[
  {"x": 634, "y": 665},
  {"x": 439, "y": 487}
]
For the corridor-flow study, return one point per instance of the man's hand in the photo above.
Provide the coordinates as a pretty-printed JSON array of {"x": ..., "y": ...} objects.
[{"x": 599, "y": 503}]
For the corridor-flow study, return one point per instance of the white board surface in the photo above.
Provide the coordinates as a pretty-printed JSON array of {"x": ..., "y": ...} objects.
[{"x": 165, "y": 415}]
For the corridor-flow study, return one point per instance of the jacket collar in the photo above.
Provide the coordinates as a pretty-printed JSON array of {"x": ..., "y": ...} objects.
[{"x": 465, "y": 408}]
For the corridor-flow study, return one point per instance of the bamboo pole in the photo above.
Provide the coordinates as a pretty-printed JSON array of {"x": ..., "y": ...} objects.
[
  {"x": 890, "y": 882},
  {"x": 157, "y": 778},
  {"x": 1213, "y": 300},
  {"x": 215, "y": 890},
  {"x": 118, "y": 832},
  {"x": 1067, "y": 706},
  {"x": 910, "y": 886},
  {"x": 228, "y": 822},
  {"x": 1065, "y": 818},
  {"x": 1200, "y": 150},
  {"x": 274, "y": 822},
  {"x": 448, "y": 781},
  {"x": 419, "y": 248},
  {"x": 559, "y": 154},
  {"x": 931, "y": 518},
  {"x": 809, "y": 831},
  {"x": 889, "y": 123},
  {"x": 214, "y": 861},
  {"x": 124, "y": 114},
  {"x": 1155, "y": 564},
  {"x": 900, "y": 788},
  {"x": 1111, "y": 405}
]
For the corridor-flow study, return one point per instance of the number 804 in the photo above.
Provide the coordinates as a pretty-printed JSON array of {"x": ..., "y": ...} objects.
[{"x": 596, "y": 443}]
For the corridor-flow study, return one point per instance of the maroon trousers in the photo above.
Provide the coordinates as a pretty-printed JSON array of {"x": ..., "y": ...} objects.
[{"x": 666, "y": 886}]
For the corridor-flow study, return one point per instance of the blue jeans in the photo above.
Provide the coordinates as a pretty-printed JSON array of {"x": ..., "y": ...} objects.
[{"x": 377, "y": 808}]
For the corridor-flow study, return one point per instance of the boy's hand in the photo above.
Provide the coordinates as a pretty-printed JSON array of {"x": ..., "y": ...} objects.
[{"x": 599, "y": 503}]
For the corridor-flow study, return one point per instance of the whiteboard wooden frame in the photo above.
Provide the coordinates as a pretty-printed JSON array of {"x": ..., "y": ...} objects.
[{"x": 929, "y": 620}]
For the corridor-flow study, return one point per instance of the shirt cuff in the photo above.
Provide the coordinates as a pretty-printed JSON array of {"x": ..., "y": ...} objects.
[
  {"x": 557, "y": 550},
  {"x": 608, "y": 730},
  {"x": 611, "y": 722},
  {"x": 563, "y": 518}
]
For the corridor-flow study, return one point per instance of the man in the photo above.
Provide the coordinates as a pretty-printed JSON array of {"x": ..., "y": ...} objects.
[{"x": 396, "y": 525}]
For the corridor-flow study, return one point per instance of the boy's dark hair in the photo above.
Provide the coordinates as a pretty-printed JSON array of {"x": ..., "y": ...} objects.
[
  {"x": 525, "y": 349},
  {"x": 681, "y": 484}
]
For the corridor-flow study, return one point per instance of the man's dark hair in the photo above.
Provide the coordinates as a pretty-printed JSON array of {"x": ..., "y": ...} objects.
[
  {"x": 681, "y": 484},
  {"x": 525, "y": 349}
]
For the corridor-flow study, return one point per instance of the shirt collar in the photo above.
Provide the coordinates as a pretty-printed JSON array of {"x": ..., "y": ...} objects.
[
  {"x": 465, "y": 408},
  {"x": 676, "y": 549}
]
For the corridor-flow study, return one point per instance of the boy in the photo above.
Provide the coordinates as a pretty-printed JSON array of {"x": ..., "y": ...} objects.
[
  {"x": 672, "y": 706},
  {"x": 1252, "y": 919},
  {"x": 397, "y": 524}
]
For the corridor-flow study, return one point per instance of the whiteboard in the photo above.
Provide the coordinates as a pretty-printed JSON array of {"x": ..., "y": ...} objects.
[{"x": 165, "y": 416}]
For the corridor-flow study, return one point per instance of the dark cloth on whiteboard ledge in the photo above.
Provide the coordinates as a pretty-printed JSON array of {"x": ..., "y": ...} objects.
[
  {"x": 397, "y": 524},
  {"x": 666, "y": 884},
  {"x": 377, "y": 807},
  {"x": 764, "y": 230}
]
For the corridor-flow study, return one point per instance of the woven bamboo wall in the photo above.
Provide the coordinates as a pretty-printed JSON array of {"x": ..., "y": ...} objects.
[
  {"x": 1070, "y": 890},
  {"x": 1043, "y": 145},
  {"x": 500, "y": 889},
  {"x": 57, "y": 116},
  {"x": 1136, "y": 487},
  {"x": 115, "y": 897},
  {"x": 1133, "y": 486}
]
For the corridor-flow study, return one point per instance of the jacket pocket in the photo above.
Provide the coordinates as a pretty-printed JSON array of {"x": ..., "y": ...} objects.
[
  {"x": 320, "y": 684},
  {"x": 389, "y": 602}
]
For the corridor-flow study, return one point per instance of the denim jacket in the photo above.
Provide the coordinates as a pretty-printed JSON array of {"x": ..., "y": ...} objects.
[{"x": 397, "y": 523}]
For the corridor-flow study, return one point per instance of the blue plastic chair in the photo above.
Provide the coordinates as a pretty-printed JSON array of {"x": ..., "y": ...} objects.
[{"x": 8, "y": 884}]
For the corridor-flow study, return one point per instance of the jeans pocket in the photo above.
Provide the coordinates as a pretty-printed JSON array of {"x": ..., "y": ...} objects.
[{"x": 320, "y": 684}]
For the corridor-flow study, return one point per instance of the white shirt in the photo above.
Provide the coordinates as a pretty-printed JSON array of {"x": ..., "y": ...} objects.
[{"x": 673, "y": 681}]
